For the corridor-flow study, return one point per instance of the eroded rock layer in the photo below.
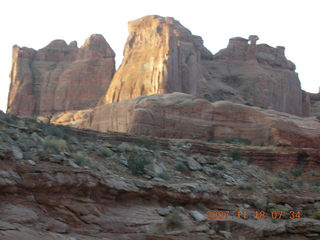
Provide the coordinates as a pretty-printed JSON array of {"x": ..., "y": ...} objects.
[
  {"x": 60, "y": 77},
  {"x": 180, "y": 115}
]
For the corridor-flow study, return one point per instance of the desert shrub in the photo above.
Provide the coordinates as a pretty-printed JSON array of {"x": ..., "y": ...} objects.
[
  {"x": 245, "y": 186},
  {"x": 315, "y": 215},
  {"x": 164, "y": 176},
  {"x": 296, "y": 172},
  {"x": 147, "y": 143},
  {"x": 126, "y": 147},
  {"x": 174, "y": 221},
  {"x": 136, "y": 164},
  {"x": 105, "y": 152},
  {"x": 54, "y": 144},
  {"x": 181, "y": 167},
  {"x": 248, "y": 160},
  {"x": 220, "y": 166},
  {"x": 239, "y": 141},
  {"x": 282, "y": 184},
  {"x": 57, "y": 131},
  {"x": 282, "y": 173},
  {"x": 81, "y": 158},
  {"x": 235, "y": 154}
]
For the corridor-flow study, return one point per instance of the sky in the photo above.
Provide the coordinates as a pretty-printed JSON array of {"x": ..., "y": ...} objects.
[{"x": 293, "y": 24}]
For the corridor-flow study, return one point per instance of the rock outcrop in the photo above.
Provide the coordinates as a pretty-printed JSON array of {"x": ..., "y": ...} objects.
[
  {"x": 314, "y": 104},
  {"x": 179, "y": 115},
  {"x": 160, "y": 56},
  {"x": 60, "y": 77},
  {"x": 255, "y": 74}
]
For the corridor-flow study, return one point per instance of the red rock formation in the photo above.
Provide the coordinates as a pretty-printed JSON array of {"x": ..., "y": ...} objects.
[
  {"x": 258, "y": 75},
  {"x": 179, "y": 115},
  {"x": 160, "y": 56},
  {"x": 60, "y": 77}
]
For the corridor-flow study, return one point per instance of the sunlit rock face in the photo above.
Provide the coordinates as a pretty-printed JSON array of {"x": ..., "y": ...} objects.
[
  {"x": 160, "y": 56},
  {"x": 60, "y": 77}
]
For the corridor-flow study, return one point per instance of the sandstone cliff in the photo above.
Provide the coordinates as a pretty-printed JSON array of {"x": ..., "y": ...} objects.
[
  {"x": 160, "y": 56},
  {"x": 60, "y": 77},
  {"x": 258, "y": 75}
]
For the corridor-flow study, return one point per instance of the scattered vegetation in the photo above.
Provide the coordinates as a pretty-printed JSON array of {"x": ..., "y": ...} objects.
[
  {"x": 136, "y": 164},
  {"x": 236, "y": 154},
  {"x": 315, "y": 215},
  {"x": 81, "y": 158},
  {"x": 239, "y": 141},
  {"x": 245, "y": 186},
  {"x": 55, "y": 145},
  {"x": 281, "y": 184},
  {"x": 220, "y": 166},
  {"x": 57, "y": 131},
  {"x": 296, "y": 172},
  {"x": 147, "y": 143},
  {"x": 105, "y": 152}
]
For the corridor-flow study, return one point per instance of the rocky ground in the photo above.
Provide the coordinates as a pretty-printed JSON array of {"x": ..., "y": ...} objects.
[{"x": 57, "y": 182}]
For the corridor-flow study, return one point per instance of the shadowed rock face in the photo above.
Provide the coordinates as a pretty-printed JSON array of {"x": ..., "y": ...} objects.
[
  {"x": 160, "y": 56},
  {"x": 258, "y": 75},
  {"x": 315, "y": 104},
  {"x": 60, "y": 77}
]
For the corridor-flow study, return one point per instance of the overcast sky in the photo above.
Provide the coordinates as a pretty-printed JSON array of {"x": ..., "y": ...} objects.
[{"x": 293, "y": 24}]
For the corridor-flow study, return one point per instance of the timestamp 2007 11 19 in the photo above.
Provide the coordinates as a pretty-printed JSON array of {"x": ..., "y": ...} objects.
[{"x": 215, "y": 215}]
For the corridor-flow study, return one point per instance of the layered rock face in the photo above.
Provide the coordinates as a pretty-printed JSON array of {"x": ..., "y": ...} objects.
[
  {"x": 60, "y": 77},
  {"x": 257, "y": 75},
  {"x": 160, "y": 56},
  {"x": 315, "y": 104},
  {"x": 71, "y": 190},
  {"x": 180, "y": 115}
]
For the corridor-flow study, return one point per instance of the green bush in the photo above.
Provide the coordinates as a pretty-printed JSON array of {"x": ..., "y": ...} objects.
[
  {"x": 245, "y": 186},
  {"x": 57, "y": 131},
  {"x": 282, "y": 184},
  {"x": 105, "y": 152},
  {"x": 81, "y": 158},
  {"x": 296, "y": 172},
  {"x": 220, "y": 166},
  {"x": 54, "y": 144},
  {"x": 147, "y": 143},
  {"x": 315, "y": 215},
  {"x": 239, "y": 141},
  {"x": 235, "y": 154},
  {"x": 136, "y": 164}
]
